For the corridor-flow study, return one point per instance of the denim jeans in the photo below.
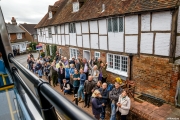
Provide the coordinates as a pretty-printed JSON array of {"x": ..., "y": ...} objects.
[
  {"x": 40, "y": 73},
  {"x": 81, "y": 92},
  {"x": 113, "y": 111},
  {"x": 67, "y": 91},
  {"x": 103, "y": 112},
  {"x": 60, "y": 83}
]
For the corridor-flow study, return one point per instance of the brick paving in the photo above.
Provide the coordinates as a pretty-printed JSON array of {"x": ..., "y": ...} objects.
[{"x": 144, "y": 109}]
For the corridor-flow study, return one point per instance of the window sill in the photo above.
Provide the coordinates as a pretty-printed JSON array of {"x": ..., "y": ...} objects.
[{"x": 117, "y": 72}]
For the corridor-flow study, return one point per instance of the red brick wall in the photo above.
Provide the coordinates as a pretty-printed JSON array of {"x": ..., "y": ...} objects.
[
  {"x": 14, "y": 36},
  {"x": 155, "y": 76}
]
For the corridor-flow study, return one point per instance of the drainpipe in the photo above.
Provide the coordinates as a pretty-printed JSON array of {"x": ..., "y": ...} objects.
[
  {"x": 130, "y": 71},
  {"x": 177, "y": 96}
]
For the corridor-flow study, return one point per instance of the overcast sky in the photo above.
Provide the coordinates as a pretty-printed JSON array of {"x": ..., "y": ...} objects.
[{"x": 25, "y": 11}]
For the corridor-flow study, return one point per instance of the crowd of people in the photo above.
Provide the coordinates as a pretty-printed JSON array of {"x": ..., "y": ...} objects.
[{"x": 86, "y": 79}]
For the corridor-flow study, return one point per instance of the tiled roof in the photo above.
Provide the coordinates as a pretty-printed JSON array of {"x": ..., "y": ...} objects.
[
  {"x": 30, "y": 28},
  {"x": 14, "y": 29},
  {"x": 92, "y": 9},
  {"x": 45, "y": 21}
]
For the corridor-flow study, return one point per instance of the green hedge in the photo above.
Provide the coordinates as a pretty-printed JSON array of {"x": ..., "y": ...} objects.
[{"x": 33, "y": 45}]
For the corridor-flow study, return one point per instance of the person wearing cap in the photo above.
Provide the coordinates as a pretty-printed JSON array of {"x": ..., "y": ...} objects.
[
  {"x": 58, "y": 64},
  {"x": 114, "y": 95},
  {"x": 72, "y": 61}
]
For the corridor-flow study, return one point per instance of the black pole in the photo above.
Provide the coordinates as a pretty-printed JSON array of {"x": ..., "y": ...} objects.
[
  {"x": 27, "y": 90},
  {"x": 130, "y": 71}
]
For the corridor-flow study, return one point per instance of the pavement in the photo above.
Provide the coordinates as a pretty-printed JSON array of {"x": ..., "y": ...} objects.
[{"x": 145, "y": 110}]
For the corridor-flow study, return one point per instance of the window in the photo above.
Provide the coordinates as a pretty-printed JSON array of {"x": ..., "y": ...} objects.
[
  {"x": 97, "y": 55},
  {"x": 35, "y": 36},
  {"x": 115, "y": 24},
  {"x": 41, "y": 33},
  {"x": 55, "y": 29},
  {"x": 60, "y": 51},
  {"x": 49, "y": 32},
  {"x": 72, "y": 28},
  {"x": 117, "y": 64},
  {"x": 19, "y": 35},
  {"x": 50, "y": 14},
  {"x": 74, "y": 52},
  {"x": 23, "y": 45},
  {"x": 75, "y": 6}
]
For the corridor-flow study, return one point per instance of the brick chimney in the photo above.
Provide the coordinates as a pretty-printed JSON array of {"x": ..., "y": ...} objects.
[{"x": 14, "y": 21}]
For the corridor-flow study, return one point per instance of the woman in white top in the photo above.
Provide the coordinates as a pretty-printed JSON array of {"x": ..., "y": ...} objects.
[
  {"x": 123, "y": 105},
  {"x": 95, "y": 73}
]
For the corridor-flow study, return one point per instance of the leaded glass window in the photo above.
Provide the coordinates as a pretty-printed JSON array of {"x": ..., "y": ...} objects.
[
  {"x": 121, "y": 24},
  {"x": 109, "y": 25},
  {"x": 72, "y": 28},
  {"x": 115, "y": 24}
]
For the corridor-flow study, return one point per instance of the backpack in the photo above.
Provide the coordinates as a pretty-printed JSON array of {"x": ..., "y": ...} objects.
[{"x": 110, "y": 87}]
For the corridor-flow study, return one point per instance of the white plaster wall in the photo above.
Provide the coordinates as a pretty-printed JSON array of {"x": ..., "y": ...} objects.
[
  {"x": 72, "y": 39},
  {"x": 59, "y": 39},
  {"x": 131, "y": 24},
  {"x": 78, "y": 28},
  {"x": 146, "y": 43},
  {"x": 94, "y": 41},
  {"x": 103, "y": 42},
  {"x": 79, "y": 41},
  {"x": 52, "y": 30},
  {"x": 177, "y": 54},
  {"x": 131, "y": 43},
  {"x": 178, "y": 27},
  {"x": 62, "y": 29},
  {"x": 102, "y": 27},
  {"x": 85, "y": 27},
  {"x": 162, "y": 44},
  {"x": 86, "y": 41},
  {"x": 161, "y": 21},
  {"x": 44, "y": 39},
  {"x": 116, "y": 41},
  {"x": 93, "y": 27},
  {"x": 145, "y": 22},
  {"x": 54, "y": 39},
  {"x": 58, "y": 29},
  {"x": 67, "y": 39},
  {"x": 63, "y": 39},
  {"x": 66, "y": 28}
]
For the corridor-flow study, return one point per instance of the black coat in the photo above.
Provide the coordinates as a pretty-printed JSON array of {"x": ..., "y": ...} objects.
[{"x": 61, "y": 75}]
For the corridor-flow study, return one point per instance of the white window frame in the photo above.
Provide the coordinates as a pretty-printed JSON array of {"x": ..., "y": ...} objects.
[
  {"x": 113, "y": 70},
  {"x": 96, "y": 57},
  {"x": 9, "y": 36},
  {"x": 19, "y": 35},
  {"x": 35, "y": 36},
  {"x": 75, "y": 6},
  {"x": 118, "y": 26},
  {"x": 49, "y": 32},
  {"x": 50, "y": 14},
  {"x": 76, "y": 52},
  {"x": 50, "y": 49}
]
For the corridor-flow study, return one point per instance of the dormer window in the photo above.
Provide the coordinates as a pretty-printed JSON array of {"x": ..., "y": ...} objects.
[
  {"x": 75, "y": 6},
  {"x": 50, "y": 14}
]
